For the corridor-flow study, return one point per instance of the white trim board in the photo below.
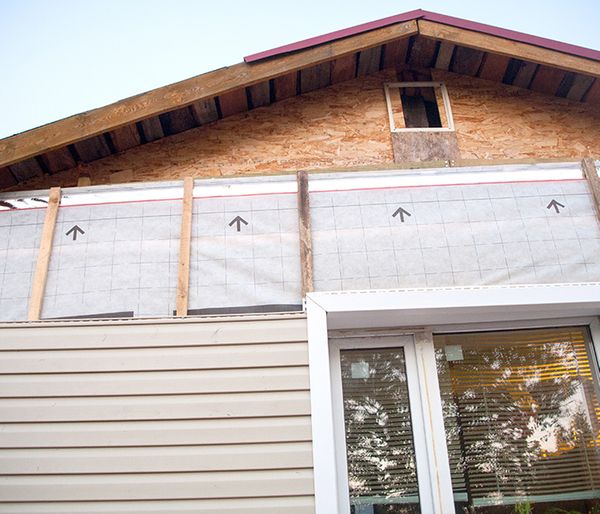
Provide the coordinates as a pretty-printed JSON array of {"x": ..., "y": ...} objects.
[{"x": 410, "y": 308}]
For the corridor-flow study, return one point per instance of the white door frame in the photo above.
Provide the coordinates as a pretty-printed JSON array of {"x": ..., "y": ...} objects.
[{"x": 421, "y": 308}]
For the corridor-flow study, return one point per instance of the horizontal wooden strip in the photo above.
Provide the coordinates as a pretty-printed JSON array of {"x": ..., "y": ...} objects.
[
  {"x": 155, "y": 433},
  {"x": 186, "y": 92},
  {"x": 238, "y": 484},
  {"x": 154, "y": 382},
  {"x": 237, "y": 405},
  {"x": 287, "y": 504},
  {"x": 115, "y": 336},
  {"x": 146, "y": 359},
  {"x": 507, "y": 47},
  {"x": 156, "y": 459}
]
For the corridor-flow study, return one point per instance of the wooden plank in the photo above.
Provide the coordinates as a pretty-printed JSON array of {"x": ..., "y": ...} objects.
[
  {"x": 588, "y": 166},
  {"x": 580, "y": 87},
  {"x": 525, "y": 74},
  {"x": 233, "y": 102},
  {"x": 125, "y": 137},
  {"x": 368, "y": 61},
  {"x": 343, "y": 69},
  {"x": 260, "y": 94},
  {"x": 444, "y": 57},
  {"x": 394, "y": 53},
  {"x": 493, "y": 67},
  {"x": 208, "y": 85},
  {"x": 153, "y": 433},
  {"x": 148, "y": 486},
  {"x": 285, "y": 86},
  {"x": 151, "y": 129},
  {"x": 41, "y": 268},
  {"x": 305, "y": 233},
  {"x": 185, "y": 244},
  {"x": 58, "y": 160},
  {"x": 131, "y": 408},
  {"x": 7, "y": 179},
  {"x": 205, "y": 111},
  {"x": 84, "y": 181},
  {"x": 92, "y": 149},
  {"x": 25, "y": 170},
  {"x": 507, "y": 47},
  {"x": 466, "y": 61},
  {"x": 547, "y": 79},
  {"x": 593, "y": 95},
  {"x": 177, "y": 121},
  {"x": 422, "y": 53},
  {"x": 565, "y": 85},
  {"x": 315, "y": 77}
]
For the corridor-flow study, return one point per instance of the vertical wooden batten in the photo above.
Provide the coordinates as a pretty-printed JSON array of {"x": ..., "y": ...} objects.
[
  {"x": 304, "y": 230},
  {"x": 41, "y": 268},
  {"x": 183, "y": 281},
  {"x": 590, "y": 172}
]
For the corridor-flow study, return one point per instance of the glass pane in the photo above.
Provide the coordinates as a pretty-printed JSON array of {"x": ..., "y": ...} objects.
[
  {"x": 521, "y": 417},
  {"x": 381, "y": 458}
]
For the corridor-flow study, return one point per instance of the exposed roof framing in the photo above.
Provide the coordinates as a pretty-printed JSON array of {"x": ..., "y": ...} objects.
[{"x": 417, "y": 39}]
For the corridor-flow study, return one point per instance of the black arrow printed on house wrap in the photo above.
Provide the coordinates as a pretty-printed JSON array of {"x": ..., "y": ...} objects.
[
  {"x": 402, "y": 212},
  {"x": 238, "y": 220},
  {"x": 74, "y": 230},
  {"x": 556, "y": 206}
]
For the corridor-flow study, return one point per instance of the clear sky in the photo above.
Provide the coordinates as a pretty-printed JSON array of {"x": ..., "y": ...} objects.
[{"x": 62, "y": 57}]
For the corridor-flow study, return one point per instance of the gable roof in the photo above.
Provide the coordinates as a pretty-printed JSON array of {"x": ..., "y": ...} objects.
[{"x": 418, "y": 38}]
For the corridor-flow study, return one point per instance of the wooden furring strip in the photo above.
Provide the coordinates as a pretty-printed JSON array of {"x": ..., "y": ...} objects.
[
  {"x": 590, "y": 172},
  {"x": 306, "y": 254},
  {"x": 183, "y": 281},
  {"x": 41, "y": 268}
]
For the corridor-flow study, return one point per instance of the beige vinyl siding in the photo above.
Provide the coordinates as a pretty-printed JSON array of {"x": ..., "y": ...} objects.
[{"x": 165, "y": 417}]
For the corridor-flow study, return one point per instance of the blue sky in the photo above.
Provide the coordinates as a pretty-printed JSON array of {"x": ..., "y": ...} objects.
[{"x": 62, "y": 57}]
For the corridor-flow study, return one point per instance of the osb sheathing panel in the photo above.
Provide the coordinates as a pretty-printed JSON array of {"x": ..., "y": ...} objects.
[
  {"x": 496, "y": 121},
  {"x": 346, "y": 125},
  {"x": 342, "y": 125}
]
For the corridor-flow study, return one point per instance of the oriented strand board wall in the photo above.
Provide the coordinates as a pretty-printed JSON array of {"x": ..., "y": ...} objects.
[
  {"x": 203, "y": 417},
  {"x": 495, "y": 121},
  {"x": 346, "y": 125}
]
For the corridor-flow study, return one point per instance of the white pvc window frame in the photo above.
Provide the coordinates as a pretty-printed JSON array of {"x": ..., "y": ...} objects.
[
  {"x": 440, "y": 309},
  {"x": 435, "y": 85}
]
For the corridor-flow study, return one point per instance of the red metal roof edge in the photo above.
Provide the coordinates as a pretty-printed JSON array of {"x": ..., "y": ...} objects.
[
  {"x": 332, "y": 36},
  {"x": 521, "y": 37}
]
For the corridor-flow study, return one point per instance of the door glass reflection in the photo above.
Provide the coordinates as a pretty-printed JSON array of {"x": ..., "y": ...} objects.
[{"x": 379, "y": 442}]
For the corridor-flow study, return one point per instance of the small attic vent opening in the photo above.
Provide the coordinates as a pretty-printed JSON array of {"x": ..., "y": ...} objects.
[{"x": 418, "y": 106}]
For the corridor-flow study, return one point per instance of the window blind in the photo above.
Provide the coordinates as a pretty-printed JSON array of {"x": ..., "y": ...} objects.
[{"x": 521, "y": 415}]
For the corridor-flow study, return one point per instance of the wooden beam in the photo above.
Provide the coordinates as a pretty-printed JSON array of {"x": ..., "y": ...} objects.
[
  {"x": 152, "y": 129},
  {"x": 315, "y": 77},
  {"x": 81, "y": 126},
  {"x": 25, "y": 170},
  {"x": 185, "y": 243},
  {"x": 58, "y": 160},
  {"x": 205, "y": 111},
  {"x": 588, "y": 166},
  {"x": 306, "y": 255},
  {"x": 593, "y": 95},
  {"x": 394, "y": 53},
  {"x": 525, "y": 74},
  {"x": 92, "y": 149},
  {"x": 125, "y": 137},
  {"x": 444, "y": 56},
  {"x": 233, "y": 102},
  {"x": 581, "y": 85},
  {"x": 260, "y": 94},
  {"x": 422, "y": 53},
  {"x": 177, "y": 121},
  {"x": 41, "y": 269},
  {"x": 507, "y": 47}
]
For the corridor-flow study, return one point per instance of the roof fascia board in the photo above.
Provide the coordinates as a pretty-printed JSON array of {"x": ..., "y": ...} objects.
[
  {"x": 521, "y": 37},
  {"x": 92, "y": 123},
  {"x": 509, "y": 47}
]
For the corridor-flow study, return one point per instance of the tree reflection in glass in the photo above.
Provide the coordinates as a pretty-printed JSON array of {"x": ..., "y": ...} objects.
[
  {"x": 521, "y": 416},
  {"x": 380, "y": 453}
]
